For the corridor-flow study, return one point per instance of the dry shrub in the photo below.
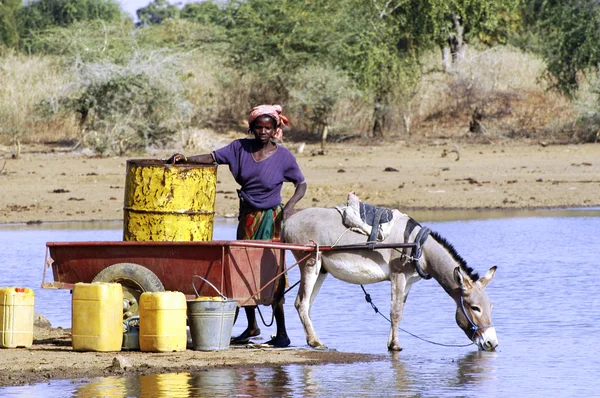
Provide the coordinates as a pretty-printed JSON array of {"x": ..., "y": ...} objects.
[
  {"x": 25, "y": 82},
  {"x": 499, "y": 88}
]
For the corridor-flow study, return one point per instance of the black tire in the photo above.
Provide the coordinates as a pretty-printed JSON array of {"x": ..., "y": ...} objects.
[{"x": 135, "y": 280}]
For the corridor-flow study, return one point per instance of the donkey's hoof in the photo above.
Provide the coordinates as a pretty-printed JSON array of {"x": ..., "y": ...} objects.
[
  {"x": 395, "y": 347},
  {"x": 318, "y": 345}
]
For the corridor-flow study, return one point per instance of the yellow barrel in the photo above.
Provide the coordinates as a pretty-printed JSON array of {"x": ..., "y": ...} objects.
[
  {"x": 16, "y": 317},
  {"x": 163, "y": 322},
  {"x": 97, "y": 317},
  {"x": 169, "y": 202}
]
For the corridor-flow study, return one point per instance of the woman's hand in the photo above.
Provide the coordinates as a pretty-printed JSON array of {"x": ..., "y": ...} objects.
[
  {"x": 287, "y": 211},
  {"x": 177, "y": 158}
]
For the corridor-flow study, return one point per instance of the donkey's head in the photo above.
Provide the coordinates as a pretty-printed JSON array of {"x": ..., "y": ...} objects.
[{"x": 474, "y": 309}]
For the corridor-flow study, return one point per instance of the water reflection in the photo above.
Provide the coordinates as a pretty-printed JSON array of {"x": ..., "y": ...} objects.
[
  {"x": 476, "y": 367},
  {"x": 403, "y": 383},
  {"x": 104, "y": 387},
  {"x": 264, "y": 382},
  {"x": 155, "y": 385}
]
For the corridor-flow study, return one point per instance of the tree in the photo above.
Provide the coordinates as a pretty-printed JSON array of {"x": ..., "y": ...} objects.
[
  {"x": 450, "y": 24},
  {"x": 44, "y": 14},
  {"x": 273, "y": 40},
  {"x": 206, "y": 12},
  {"x": 571, "y": 31},
  {"x": 9, "y": 33},
  {"x": 156, "y": 12}
]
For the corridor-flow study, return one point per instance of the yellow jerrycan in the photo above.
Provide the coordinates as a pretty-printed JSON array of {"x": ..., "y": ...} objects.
[
  {"x": 163, "y": 322},
  {"x": 97, "y": 317},
  {"x": 16, "y": 317}
]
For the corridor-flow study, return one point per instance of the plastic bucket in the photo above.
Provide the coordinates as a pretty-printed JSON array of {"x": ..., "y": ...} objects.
[{"x": 211, "y": 320}]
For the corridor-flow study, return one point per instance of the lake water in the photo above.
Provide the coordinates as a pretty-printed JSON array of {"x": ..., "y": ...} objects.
[{"x": 546, "y": 312}]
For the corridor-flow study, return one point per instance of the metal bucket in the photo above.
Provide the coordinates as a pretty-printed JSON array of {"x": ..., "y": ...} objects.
[
  {"x": 131, "y": 334},
  {"x": 211, "y": 320},
  {"x": 166, "y": 202}
]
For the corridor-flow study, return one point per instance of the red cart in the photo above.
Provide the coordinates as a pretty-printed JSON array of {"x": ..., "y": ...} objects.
[{"x": 246, "y": 271}]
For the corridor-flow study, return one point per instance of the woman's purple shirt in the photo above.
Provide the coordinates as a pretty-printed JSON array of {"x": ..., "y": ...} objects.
[{"x": 260, "y": 181}]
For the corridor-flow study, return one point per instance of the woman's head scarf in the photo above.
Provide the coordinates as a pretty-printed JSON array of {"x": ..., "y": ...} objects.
[{"x": 273, "y": 111}]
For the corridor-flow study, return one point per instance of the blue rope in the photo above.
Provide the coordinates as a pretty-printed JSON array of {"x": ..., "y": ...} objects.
[{"x": 368, "y": 299}]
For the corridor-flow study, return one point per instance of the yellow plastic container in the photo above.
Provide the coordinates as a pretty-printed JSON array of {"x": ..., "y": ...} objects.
[
  {"x": 97, "y": 318},
  {"x": 169, "y": 202},
  {"x": 16, "y": 317},
  {"x": 163, "y": 322}
]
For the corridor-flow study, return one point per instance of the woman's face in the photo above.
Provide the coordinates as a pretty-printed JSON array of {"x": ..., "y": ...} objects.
[{"x": 263, "y": 128}]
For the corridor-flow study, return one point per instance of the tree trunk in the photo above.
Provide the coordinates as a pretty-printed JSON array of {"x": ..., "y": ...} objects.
[
  {"x": 379, "y": 111},
  {"x": 324, "y": 134},
  {"x": 406, "y": 117},
  {"x": 446, "y": 58},
  {"x": 456, "y": 48}
]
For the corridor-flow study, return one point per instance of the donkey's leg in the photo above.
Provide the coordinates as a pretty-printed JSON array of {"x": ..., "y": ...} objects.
[
  {"x": 317, "y": 287},
  {"x": 396, "y": 308},
  {"x": 309, "y": 274}
]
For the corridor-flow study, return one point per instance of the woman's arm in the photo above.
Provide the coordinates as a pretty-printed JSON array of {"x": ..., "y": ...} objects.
[
  {"x": 206, "y": 158},
  {"x": 288, "y": 209}
]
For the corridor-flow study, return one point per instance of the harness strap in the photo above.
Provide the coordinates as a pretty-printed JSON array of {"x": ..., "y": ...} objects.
[
  {"x": 410, "y": 226},
  {"x": 418, "y": 251},
  {"x": 375, "y": 227},
  {"x": 474, "y": 327}
]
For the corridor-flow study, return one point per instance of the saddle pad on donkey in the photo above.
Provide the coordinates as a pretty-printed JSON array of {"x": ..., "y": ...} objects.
[{"x": 360, "y": 217}]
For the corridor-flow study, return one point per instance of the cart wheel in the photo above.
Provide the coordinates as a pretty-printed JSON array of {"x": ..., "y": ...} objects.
[{"x": 135, "y": 280}]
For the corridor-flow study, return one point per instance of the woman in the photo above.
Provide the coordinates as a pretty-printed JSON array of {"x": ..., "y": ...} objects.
[{"x": 261, "y": 167}]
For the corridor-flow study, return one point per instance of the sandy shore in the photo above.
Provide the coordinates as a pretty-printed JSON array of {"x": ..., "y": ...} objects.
[
  {"x": 56, "y": 186},
  {"x": 49, "y": 186},
  {"x": 51, "y": 357}
]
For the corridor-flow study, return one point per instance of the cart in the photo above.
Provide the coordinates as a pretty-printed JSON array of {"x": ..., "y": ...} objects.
[{"x": 242, "y": 270}]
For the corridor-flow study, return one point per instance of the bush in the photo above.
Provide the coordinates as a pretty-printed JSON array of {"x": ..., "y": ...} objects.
[
  {"x": 126, "y": 108},
  {"x": 316, "y": 93},
  {"x": 86, "y": 41},
  {"x": 44, "y": 14}
]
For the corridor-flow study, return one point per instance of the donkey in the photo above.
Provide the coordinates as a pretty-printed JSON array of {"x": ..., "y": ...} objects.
[{"x": 439, "y": 259}]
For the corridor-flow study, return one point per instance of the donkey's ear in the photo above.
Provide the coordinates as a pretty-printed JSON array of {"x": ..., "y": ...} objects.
[
  {"x": 463, "y": 281},
  {"x": 487, "y": 277}
]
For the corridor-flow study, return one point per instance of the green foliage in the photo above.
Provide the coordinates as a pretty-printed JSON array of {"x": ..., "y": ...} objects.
[
  {"x": 488, "y": 21},
  {"x": 43, "y": 14},
  {"x": 206, "y": 12},
  {"x": 571, "y": 31},
  {"x": 88, "y": 41},
  {"x": 287, "y": 34},
  {"x": 182, "y": 34},
  {"x": 315, "y": 94},
  {"x": 9, "y": 34},
  {"x": 157, "y": 12}
]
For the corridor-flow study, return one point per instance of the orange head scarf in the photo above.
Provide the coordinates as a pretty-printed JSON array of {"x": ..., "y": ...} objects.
[{"x": 273, "y": 111}]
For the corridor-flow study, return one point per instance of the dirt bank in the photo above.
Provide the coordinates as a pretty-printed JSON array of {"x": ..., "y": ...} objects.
[
  {"x": 51, "y": 357},
  {"x": 58, "y": 186}
]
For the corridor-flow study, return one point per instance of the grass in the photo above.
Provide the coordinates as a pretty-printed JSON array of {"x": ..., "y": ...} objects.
[{"x": 27, "y": 81}]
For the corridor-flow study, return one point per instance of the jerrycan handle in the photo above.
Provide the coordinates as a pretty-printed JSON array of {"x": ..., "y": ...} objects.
[{"x": 211, "y": 285}]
